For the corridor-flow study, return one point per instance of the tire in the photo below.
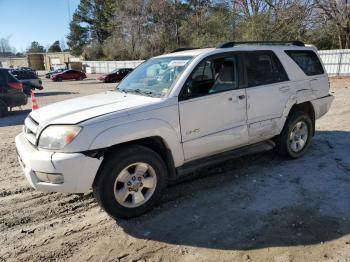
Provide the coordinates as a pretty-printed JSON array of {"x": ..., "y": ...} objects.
[
  {"x": 116, "y": 190},
  {"x": 287, "y": 143},
  {"x": 3, "y": 109}
]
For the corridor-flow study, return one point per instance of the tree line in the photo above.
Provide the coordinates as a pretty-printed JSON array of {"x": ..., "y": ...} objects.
[
  {"x": 7, "y": 50},
  {"x": 137, "y": 29}
]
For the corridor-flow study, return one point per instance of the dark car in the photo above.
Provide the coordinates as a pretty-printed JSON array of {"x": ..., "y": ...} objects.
[
  {"x": 11, "y": 92},
  {"x": 68, "y": 75},
  {"x": 49, "y": 74},
  {"x": 115, "y": 76},
  {"x": 29, "y": 79}
]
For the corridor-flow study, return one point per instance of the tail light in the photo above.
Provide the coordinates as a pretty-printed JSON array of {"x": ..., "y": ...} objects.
[{"x": 16, "y": 85}]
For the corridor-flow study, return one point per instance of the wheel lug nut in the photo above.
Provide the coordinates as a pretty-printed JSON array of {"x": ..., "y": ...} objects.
[
  {"x": 129, "y": 183},
  {"x": 130, "y": 189},
  {"x": 141, "y": 184},
  {"x": 133, "y": 178},
  {"x": 139, "y": 178}
]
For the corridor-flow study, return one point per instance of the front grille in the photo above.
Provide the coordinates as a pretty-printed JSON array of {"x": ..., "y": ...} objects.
[{"x": 30, "y": 129}]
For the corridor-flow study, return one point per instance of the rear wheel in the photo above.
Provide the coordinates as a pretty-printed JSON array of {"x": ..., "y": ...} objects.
[
  {"x": 296, "y": 135},
  {"x": 130, "y": 181},
  {"x": 3, "y": 109}
]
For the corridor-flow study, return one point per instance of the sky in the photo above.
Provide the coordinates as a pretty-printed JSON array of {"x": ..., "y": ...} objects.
[{"x": 44, "y": 21}]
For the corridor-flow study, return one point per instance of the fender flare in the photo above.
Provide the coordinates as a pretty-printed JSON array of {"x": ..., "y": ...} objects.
[{"x": 135, "y": 130}]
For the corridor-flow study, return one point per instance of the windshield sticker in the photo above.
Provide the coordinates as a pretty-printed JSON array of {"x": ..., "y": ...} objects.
[{"x": 178, "y": 63}]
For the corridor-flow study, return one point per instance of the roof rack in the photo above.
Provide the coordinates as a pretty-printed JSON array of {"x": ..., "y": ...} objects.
[
  {"x": 183, "y": 49},
  {"x": 232, "y": 44}
]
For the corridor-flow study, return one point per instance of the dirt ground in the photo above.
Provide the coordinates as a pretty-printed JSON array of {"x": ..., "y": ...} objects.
[{"x": 255, "y": 208}]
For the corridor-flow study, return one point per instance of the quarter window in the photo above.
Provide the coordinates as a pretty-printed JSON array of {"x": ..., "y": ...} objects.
[
  {"x": 264, "y": 68},
  {"x": 307, "y": 61},
  {"x": 212, "y": 76}
]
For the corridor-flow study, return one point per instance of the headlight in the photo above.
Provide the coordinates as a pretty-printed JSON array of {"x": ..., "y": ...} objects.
[{"x": 57, "y": 137}]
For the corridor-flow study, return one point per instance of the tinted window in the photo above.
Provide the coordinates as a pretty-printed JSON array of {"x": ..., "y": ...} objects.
[
  {"x": 264, "y": 68},
  {"x": 212, "y": 76},
  {"x": 307, "y": 61}
]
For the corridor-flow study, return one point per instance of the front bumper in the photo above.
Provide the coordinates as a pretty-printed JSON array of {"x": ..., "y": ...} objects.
[
  {"x": 78, "y": 170},
  {"x": 322, "y": 105}
]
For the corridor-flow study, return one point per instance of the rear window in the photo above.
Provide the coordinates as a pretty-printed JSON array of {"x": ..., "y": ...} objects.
[
  {"x": 11, "y": 78},
  {"x": 307, "y": 61}
]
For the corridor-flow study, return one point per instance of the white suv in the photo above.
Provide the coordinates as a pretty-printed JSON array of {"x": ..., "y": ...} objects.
[{"x": 173, "y": 114}]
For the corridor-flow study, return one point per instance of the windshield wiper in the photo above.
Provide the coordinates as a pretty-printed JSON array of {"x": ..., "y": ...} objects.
[{"x": 139, "y": 91}]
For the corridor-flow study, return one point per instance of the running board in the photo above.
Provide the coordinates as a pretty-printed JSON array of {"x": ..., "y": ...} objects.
[{"x": 194, "y": 165}]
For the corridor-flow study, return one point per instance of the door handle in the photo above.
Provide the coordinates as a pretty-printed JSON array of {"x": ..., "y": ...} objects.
[
  {"x": 284, "y": 89},
  {"x": 241, "y": 97}
]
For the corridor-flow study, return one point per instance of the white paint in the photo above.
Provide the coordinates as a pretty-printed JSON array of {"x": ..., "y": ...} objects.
[{"x": 191, "y": 129}]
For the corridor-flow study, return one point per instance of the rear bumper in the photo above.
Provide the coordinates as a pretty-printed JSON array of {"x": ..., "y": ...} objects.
[
  {"x": 322, "y": 105},
  {"x": 78, "y": 170}
]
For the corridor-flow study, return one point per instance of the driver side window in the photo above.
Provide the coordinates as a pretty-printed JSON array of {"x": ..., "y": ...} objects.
[{"x": 212, "y": 76}]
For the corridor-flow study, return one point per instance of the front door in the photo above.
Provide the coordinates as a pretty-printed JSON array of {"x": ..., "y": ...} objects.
[{"x": 213, "y": 108}]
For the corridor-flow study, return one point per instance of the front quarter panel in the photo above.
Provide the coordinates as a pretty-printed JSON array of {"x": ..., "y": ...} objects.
[{"x": 141, "y": 129}]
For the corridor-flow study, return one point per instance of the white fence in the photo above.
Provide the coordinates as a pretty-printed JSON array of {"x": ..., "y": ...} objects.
[
  {"x": 102, "y": 67},
  {"x": 337, "y": 61}
]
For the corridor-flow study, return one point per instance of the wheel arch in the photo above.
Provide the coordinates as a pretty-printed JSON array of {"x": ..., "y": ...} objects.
[
  {"x": 306, "y": 107},
  {"x": 155, "y": 143}
]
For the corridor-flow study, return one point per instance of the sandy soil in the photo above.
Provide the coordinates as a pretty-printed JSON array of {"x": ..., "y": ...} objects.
[{"x": 255, "y": 208}]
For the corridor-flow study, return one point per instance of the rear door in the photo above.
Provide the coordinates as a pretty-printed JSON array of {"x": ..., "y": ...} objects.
[
  {"x": 212, "y": 108},
  {"x": 268, "y": 90}
]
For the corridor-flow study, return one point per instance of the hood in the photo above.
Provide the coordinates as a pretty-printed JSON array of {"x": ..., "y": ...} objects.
[{"x": 76, "y": 110}]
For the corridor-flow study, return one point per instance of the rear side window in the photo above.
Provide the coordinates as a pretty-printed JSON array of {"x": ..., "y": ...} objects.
[
  {"x": 307, "y": 61},
  {"x": 263, "y": 68}
]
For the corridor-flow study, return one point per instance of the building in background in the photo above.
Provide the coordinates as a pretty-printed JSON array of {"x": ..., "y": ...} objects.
[
  {"x": 41, "y": 61},
  {"x": 48, "y": 61},
  {"x": 9, "y": 59}
]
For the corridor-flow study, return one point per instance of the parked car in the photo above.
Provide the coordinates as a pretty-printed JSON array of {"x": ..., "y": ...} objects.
[
  {"x": 50, "y": 73},
  {"x": 11, "y": 92},
  {"x": 173, "y": 114},
  {"x": 68, "y": 75},
  {"x": 29, "y": 79},
  {"x": 115, "y": 76}
]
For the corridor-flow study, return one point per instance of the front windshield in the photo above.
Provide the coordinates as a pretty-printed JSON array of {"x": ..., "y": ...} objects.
[{"x": 155, "y": 76}]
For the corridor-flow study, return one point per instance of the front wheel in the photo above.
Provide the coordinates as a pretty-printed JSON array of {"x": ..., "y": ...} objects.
[
  {"x": 296, "y": 135},
  {"x": 130, "y": 181}
]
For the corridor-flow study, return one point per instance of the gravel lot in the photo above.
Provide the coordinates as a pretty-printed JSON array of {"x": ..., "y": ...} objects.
[{"x": 255, "y": 208}]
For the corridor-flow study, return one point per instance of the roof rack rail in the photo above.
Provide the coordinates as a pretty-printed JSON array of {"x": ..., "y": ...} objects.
[
  {"x": 232, "y": 44},
  {"x": 183, "y": 49}
]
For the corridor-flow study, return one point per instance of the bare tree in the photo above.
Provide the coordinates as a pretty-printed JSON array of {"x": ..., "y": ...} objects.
[
  {"x": 5, "y": 46},
  {"x": 336, "y": 12}
]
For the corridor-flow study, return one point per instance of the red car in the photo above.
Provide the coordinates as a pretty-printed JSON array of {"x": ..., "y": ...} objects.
[
  {"x": 68, "y": 75},
  {"x": 115, "y": 76}
]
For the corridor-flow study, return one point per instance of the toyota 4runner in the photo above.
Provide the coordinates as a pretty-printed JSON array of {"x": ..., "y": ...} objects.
[{"x": 174, "y": 113}]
